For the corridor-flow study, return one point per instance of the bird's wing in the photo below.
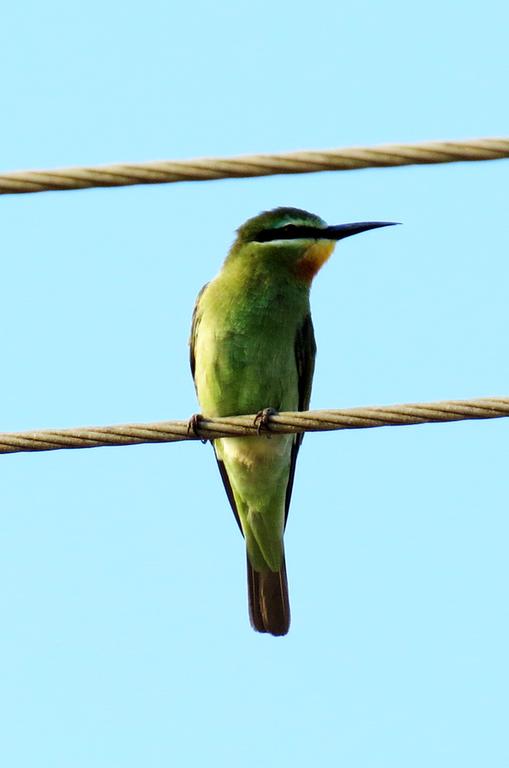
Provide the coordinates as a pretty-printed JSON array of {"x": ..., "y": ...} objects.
[
  {"x": 228, "y": 488},
  {"x": 305, "y": 353},
  {"x": 195, "y": 324}
]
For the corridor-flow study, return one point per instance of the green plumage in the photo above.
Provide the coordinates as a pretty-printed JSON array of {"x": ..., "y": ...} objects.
[{"x": 252, "y": 347}]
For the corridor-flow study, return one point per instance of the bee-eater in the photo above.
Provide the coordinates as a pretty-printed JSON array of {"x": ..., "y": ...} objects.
[{"x": 252, "y": 349}]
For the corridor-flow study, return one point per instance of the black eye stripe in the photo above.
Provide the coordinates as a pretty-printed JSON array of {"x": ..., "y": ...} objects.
[{"x": 288, "y": 232}]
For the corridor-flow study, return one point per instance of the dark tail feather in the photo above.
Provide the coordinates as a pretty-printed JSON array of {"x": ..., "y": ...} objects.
[{"x": 269, "y": 607}]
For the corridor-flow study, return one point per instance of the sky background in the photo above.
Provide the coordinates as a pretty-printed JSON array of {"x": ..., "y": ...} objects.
[{"x": 124, "y": 637}]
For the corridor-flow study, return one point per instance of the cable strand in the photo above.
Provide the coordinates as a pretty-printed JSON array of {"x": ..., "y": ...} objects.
[
  {"x": 244, "y": 426},
  {"x": 206, "y": 169}
]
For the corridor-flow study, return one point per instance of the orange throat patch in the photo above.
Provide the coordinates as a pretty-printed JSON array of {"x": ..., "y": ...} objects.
[{"x": 314, "y": 258}]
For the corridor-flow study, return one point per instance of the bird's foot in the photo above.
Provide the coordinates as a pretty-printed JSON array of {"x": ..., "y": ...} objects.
[
  {"x": 193, "y": 426},
  {"x": 262, "y": 420}
]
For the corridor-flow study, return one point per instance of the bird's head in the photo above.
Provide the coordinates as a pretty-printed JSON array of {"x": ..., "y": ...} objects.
[{"x": 295, "y": 240}]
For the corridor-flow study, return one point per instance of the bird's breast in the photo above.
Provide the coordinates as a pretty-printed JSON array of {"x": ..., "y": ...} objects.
[{"x": 245, "y": 355}]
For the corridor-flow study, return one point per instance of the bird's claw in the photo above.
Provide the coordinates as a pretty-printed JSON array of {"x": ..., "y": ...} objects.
[
  {"x": 193, "y": 426},
  {"x": 262, "y": 420}
]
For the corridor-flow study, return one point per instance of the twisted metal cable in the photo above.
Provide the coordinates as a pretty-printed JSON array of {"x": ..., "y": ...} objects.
[
  {"x": 242, "y": 426},
  {"x": 203, "y": 169}
]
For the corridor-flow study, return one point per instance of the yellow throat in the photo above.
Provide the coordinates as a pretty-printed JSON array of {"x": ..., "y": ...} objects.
[{"x": 314, "y": 258}]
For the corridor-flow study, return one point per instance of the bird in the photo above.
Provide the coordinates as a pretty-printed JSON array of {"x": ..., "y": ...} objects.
[{"x": 252, "y": 350}]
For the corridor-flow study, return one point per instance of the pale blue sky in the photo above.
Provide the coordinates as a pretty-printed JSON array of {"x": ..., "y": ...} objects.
[{"x": 124, "y": 636}]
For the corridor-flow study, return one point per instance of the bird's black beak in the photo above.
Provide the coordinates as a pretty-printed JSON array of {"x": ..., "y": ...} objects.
[{"x": 346, "y": 230}]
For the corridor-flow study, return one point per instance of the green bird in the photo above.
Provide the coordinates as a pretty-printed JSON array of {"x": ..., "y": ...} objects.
[{"x": 253, "y": 350}]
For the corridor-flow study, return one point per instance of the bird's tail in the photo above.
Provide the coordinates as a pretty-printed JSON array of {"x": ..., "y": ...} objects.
[{"x": 269, "y": 606}]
